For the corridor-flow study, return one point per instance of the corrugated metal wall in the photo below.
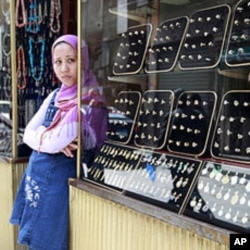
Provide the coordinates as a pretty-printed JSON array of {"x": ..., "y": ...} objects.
[
  {"x": 99, "y": 224},
  {"x": 203, "y": 80}
]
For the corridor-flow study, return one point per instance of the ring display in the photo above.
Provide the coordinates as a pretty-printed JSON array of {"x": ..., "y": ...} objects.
[
  {"x": 231, "y": 137},
  {"x": 163, "y": 54},
  {"x": 191, "y": 122},
  {"x": 132, "y": 49},
  {"x": 122, "y": 116},
  {"x": 205, "y": 38},
  {"x": 154, "y": 117},
  {"x": 238, "y": 51}
]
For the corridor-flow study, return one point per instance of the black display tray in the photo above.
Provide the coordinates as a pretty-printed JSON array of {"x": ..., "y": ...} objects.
[
  {"x": 132, "y": 50},
  {"x": 221, "y": 196},
  {"x": 113, "y": 165},
  {"x": 231, "y": 140},
  {"x": 191, "y": 122},
  {"x": 153, "y": 120},
  {"x": 238, "y": 50},
  {"x": 205, "y": 38},
  {"x": 123, "y": 115},
  {"x": 163, "y": 180},
  {"x": 163, "y": 54}
]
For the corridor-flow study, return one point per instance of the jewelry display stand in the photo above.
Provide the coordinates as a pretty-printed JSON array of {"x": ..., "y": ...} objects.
[
  {"x": 231, "y": 137},
  {"x": 221, "y": 196},
  {"x": 153, "y": 120},
  {"x": 191, "y": 157},
  {"x": 113, "y": 165},
  {"x": 191, "y": 122},
  {"x": 163, "y": 54},
  {"x": 162, "y": 179},
  {"x": 122, "y": 118},
  {"x": 239, "y": 43},
  {"x": 132, "y": 50},
  {"x": 205, "y": 38}
]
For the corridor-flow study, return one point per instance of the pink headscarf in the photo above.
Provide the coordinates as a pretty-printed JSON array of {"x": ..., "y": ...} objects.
[
  {"x": 66, "y": 101},
  {"x": 66, "y": 98}
]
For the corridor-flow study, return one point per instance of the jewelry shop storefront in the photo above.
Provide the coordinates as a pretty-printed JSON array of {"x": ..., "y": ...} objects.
[{"x": 173, "y": 172}]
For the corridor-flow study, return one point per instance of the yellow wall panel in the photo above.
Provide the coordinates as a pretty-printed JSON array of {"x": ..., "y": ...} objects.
[
  {"x": 100, "y": 224},
  {"x": 10, "y": 176}
]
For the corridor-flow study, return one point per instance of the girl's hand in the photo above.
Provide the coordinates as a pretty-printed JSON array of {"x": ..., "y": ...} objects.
[{"x": 68, "y": 150}]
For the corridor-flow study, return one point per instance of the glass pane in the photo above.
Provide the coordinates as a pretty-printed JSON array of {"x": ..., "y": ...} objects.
[{"x": 5, "y": 82}]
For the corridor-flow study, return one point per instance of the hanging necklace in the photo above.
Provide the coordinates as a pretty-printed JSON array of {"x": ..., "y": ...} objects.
[
  {"x": 6, "y": 13},
  {"x": 21, "y": 68},
  {"x": 20, "y": 4},
  {"x": 7, "y": 85},
  {"x": 55, "y": 12},
  {"x": 34, "y": 68},
  {"x": 33, "y": 19},
  {"x": 6, "y": 44}
]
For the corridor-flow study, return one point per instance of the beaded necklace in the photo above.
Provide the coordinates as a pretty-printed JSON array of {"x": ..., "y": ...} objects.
[
  {"x": 20, "y": 4},
  {"x": 33, "y": 68},
  {"x": 55, "y": 12},
  {"x": 33, "y": 19},
  {"x": 21, "y": 68}
]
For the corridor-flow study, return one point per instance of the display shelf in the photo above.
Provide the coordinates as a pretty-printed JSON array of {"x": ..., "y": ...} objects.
[
  {"x": 122, "y": 116},
  {"x": 163, "y": 54},
  {"x": 238, "y": 50},
  {"x": 163, "y": 180},
  {"x": 154, "y": 119},
  {"x": 221, "y": 196},
  {"x": 205, "y": 37},
  {"x": 191, "y": 122},
  {"x": 231, "y": 137}
]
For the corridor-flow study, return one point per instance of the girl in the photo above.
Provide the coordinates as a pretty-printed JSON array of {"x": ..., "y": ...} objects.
[{"x": 41, "y": 207}]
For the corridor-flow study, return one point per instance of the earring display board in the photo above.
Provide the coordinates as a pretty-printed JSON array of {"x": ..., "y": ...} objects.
[
  {"x": 222, "y": 196},
  {"x": 113, "y": 165},
  {"x": 191, "y": 122},
  {"x": 205, "y": 38},
  {"x": 162, "y": 179},
  {"x": 238, "y": 51},
  {"x": 162, "y": 56},
  {"x": 231, "y": 139},
  {"x": 132, "y": 49},
  {"x": 122, "y": 116},
  {"x": 154, "y": 117}
]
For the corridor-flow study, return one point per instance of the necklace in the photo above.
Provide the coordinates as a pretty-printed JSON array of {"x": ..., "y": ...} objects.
[
  {"x": 6, "y": 13},
  {"x": 34, "y": 69},
  {"x": 33, "y": 19},
  {"x": 6, "y": 44},
  {"x": 7, "y": 85},
  {"x": 20, "y": 4},
  {"x": 21, "y": 68},
  {"x": 55, "y": 12}
]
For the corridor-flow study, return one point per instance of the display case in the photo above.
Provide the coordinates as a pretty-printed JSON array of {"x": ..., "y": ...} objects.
[
  {"x": 27, "y": 30},
  {"x": 160, "y": 146}
]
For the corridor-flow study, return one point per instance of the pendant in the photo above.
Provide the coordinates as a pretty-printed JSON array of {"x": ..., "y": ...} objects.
[{"x": 235, "y": 198}]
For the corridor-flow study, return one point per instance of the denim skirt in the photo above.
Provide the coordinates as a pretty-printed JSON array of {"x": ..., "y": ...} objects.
[{"x": 41, "y": 207}]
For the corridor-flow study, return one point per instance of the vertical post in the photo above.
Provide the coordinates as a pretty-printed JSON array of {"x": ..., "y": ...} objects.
[
  {"x": 13, "y": 78},
  {"x": 79, "y": 82}
]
